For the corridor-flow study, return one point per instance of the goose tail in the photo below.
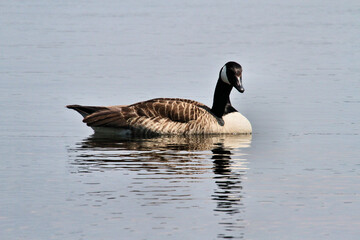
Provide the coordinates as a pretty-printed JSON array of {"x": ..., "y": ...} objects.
[{"x": 85, "y": 110}]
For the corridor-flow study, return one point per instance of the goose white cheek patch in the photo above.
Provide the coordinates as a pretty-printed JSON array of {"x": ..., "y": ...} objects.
[{"x": 224, "y": 76}]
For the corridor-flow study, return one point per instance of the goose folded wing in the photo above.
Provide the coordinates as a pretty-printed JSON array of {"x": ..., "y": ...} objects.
[
  {"x": 155, "y": 112},
  {"x": 174, "y": 109}
]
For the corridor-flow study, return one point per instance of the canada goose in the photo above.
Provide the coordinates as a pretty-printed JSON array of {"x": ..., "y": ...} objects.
[{"x": 174, "y": 116}]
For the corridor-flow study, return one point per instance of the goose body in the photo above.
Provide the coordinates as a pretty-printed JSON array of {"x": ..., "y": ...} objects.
[{"x": 173, "y": 116}]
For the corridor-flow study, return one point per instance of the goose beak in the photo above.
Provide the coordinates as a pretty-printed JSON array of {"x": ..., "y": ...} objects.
[{"x": 238, "y": 85}]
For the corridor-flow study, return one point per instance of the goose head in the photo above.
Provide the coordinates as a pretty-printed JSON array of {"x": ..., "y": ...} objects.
[{"x": 231, "y": 74}]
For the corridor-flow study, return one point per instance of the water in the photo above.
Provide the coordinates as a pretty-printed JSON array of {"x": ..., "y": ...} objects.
[{"x": 297, "y": 177}]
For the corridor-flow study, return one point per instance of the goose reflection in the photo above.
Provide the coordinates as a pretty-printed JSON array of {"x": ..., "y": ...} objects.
[
  {"x": 187, "y": 143},
  {"x": 167, "y": 168},
  {"x": 184, "y": 155}
]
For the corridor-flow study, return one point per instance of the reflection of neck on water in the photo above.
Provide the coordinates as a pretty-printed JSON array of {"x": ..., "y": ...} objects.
[
  {"x": 228, "y": 194},
  {"x": 221, "y": 161}
]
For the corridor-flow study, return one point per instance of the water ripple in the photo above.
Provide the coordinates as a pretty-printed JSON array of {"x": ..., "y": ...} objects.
[{"x": 167, "y": 170}]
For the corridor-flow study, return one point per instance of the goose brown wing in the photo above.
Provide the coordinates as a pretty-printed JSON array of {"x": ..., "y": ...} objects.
[
  {"x": 174, "y": 109},
  {"x": 144, "y": 114}
]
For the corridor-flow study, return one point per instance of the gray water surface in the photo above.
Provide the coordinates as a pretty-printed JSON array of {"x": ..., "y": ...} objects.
[{"x": 296, "y": 177}]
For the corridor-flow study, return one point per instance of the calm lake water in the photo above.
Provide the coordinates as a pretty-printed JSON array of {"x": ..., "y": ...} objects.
[{"x": 296, "y": 177}]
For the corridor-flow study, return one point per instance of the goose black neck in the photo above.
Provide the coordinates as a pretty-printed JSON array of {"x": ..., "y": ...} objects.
[{"x": 221, "y": 103}]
